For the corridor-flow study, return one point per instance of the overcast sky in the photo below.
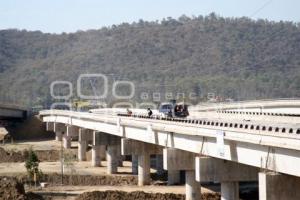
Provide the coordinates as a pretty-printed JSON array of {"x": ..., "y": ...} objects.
[{"x": 56, "y": 16}]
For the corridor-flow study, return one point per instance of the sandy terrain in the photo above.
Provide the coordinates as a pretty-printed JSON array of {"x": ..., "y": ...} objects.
[
  {"x": 36, "y": 145},
  {"x": 82, "y": 168}
]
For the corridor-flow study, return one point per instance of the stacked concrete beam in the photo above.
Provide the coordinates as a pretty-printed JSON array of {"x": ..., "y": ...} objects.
[
  {"x": 228, "y": 173},
  {"x": 142, "y": 151},
  {"x": 175, "y": 159}
]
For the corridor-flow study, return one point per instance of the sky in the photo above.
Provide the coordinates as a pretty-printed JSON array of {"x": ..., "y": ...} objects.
[{"x": 57, "y": 16}]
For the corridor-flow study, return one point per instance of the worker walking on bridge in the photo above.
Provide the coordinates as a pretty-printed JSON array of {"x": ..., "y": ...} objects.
[{"x": 149, "y": 112}]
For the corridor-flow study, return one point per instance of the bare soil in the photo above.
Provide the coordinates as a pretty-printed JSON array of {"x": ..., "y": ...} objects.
[
  {"x": 20, "y": 156},
  {"x": 11, "y": 189},
  {"x": 120, "y": 195}
]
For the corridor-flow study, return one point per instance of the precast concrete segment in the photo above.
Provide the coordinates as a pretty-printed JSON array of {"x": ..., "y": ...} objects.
[
  {"x": 217, "y": 170},
  {"x": 175, "y": 159},
  {"x": 129, "y": 147}
]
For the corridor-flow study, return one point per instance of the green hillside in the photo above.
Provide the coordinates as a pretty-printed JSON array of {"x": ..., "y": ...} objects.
[{"x": 233, "y": 57}]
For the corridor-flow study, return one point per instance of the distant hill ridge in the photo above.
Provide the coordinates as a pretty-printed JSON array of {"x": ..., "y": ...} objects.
[{"x": 233, "y": 57}]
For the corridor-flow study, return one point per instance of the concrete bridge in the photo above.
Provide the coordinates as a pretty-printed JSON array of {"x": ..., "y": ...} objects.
[
  {"x": 283, "y": 106},
  {"x": 8, "y": 112},
  {"x": 219, "y": 149}
]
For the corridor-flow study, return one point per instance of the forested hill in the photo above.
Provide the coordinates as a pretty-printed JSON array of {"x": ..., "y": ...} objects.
[{"x": 234, "y": 57}]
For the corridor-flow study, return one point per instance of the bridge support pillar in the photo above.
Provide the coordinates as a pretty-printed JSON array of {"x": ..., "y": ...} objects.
[
  {"x": 96, "y": 158},
  {"x": 66, "y": 141},
  {"x": 192, "y": 187},
  {"x": 98, "y": 149},
  {"x": 143, "y": 152},
  {"x": 72, "y": 131},
  {"x": 59, "y": 130},
  {"x": 144, "y": 169},
  {"x": 228, "y": 173},
  {"x": 230, "y": 190},
  {"x": 134, "y": 164},
  {"x": 273, "y": 186},
  {"x": 112, "y": 157},
  {"x": 175, "y": 159},
  {"x": 82, "y": 144}
]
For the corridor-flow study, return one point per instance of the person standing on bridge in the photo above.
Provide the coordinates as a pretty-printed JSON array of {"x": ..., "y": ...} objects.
[{"x": 149, "y": 112}]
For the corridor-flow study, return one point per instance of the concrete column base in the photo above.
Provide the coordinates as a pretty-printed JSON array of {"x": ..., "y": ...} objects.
[
  {"x": 192, "y": 187},
  {"x": 230, "y": 190},
  {"x": 143, "y": 169},
  {"x": 112, "y": 159},
  {"x": 173, "y": 177},
  {"x": 134, "y": 164},
  {"x": 67, "y": 142}
]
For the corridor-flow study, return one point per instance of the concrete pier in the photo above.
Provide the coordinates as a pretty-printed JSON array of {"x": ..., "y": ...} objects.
[
  {"x": 143, "y": 151},
  {"x": 230, "y": 190},
  {"x": 98, "y": 149},
  {"x": 144, "y": 169},
  {"x": 96, "y": 161},
  {"x": 175, "y": 160},
  {"x": 112, "y": 157},
  {"x": 82, "y": 144},
  {"x": 192, "y": 187},
  {"x": 59, "y": 130},
  {"x": 66, "y": 141}
]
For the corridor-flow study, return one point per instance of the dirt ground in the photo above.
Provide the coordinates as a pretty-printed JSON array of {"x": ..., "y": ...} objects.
[
  {"x": 121, "y": 195},
  {"x": 80, "y": 168},
  {"x": 81, "y": 180}
]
